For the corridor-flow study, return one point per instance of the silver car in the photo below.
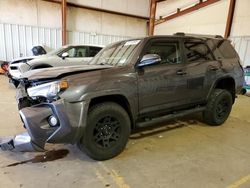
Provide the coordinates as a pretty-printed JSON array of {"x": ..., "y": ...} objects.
[{"x": 65, "y": 56}]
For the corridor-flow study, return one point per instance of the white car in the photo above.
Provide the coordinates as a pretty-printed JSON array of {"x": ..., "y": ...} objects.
[{"x": 68, "y": 55}]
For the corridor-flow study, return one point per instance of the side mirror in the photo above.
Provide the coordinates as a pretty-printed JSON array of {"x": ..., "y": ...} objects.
[
  {"x": 64, "y": 55},
  {"x": 149, "y": 59}
]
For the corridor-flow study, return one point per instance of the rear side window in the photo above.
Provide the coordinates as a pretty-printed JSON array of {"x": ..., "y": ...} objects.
[
  {"x": 226, "y": 49},
  {"x": 93, "y": 51},
  {"x": 197, "y": 51}
]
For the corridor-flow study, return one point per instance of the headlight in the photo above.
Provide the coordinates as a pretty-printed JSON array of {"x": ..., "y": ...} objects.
[{"x": 48, "y": 90}]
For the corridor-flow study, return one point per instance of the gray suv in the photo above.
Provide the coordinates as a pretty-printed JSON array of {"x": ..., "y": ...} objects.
[{"x": 129, "y": 84}]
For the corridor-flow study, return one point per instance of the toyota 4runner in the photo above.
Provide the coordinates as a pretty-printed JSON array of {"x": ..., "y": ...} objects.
[{"x": 129, "y": 84}]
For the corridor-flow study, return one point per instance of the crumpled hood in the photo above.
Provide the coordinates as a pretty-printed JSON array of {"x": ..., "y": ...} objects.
[
  {"x": 18, "y": 60},
  {"x": 43, "y": 58},
  {"x": 55, "y": 72}
]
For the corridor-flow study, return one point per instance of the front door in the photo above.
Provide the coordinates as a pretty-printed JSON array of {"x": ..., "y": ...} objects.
[{"x": 162, "y": 86}]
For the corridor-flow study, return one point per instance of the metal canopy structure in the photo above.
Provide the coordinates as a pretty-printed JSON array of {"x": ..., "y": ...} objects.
[
  {"x": 64, "y": 22},
  {"x": 65, "y": 4},
  {"x": 152, "y": 20},
  {"x": 180, "y": 12}
]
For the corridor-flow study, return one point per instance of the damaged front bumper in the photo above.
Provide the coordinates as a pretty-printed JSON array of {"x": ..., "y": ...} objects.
[
  {"x": 36, "y": 121},
  {"x": 21, "y": 142},
  {"x": 65, "y": 127}
]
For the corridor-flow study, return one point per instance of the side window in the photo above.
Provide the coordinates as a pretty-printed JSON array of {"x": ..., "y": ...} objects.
[
  {"x": 168, "y": 51},
  {"x": 197, "y": 51},
  {"x": 71, "y": 52},
  {"x": 77, "y": 52},
  {"x": 93, "y": 51},
  {"x": 81, "y": 52}
]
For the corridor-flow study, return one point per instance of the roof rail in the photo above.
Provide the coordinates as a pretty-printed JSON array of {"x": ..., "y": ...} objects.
[
  {"x": 218, "y": 36},
  {"x": 180, "y": 33},
  {"x": 197, "y": 35}
]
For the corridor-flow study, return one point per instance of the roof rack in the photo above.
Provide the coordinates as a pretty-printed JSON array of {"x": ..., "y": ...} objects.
[
  {"x": 179, "y": 34},
  {"x": 197, "y": 35}
]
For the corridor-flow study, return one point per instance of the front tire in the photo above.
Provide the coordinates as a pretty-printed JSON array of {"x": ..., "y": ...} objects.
[
  {"x": 107, "y": 131},
  {"x": 218, "y": 107}
]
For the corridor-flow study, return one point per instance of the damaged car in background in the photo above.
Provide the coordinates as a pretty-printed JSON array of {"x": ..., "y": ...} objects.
[
  {"x": 68, "y": 55},
  {"x": 37, "y": 51},
  {"x": 128, "y": 85}
]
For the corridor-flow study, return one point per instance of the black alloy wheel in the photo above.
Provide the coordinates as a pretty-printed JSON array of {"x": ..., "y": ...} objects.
[
  {"x": 218, "y": 107},
  {"x": 107, "y": 131}
]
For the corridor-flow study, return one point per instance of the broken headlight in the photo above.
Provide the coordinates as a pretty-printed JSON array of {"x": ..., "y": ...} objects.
[{"x": 48, "y": 90}]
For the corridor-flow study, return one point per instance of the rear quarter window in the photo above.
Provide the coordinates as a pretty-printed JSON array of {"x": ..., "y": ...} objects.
[
  {"x": 93, "y": 51},
  {"x": 223, "y": 49},
  {"x": 227, "y": 50}
]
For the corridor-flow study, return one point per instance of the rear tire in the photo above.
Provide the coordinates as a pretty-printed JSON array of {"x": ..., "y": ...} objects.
[
  {"x": 218, "y": 107},
  {"x": 107, "y": 131}
]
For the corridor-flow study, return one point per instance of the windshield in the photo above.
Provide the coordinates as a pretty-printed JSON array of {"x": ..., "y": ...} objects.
[
  {"x": 57, "y": 51},
  {"x": 116, "y": 54}
]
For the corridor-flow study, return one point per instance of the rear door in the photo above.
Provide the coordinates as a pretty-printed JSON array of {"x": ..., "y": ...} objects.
[{"x": 201, "y": 69}]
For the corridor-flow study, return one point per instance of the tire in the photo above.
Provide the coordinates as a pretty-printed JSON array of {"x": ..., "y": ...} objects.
[
  {"x": 107, "y": 131},
  {"x": 218, "y": 107}
]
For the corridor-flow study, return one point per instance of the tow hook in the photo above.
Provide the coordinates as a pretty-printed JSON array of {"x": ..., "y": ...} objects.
[{"x": 21, "y": 143}]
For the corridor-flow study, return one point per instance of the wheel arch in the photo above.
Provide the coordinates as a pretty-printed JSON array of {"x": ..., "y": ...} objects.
[
  {"x": 118, "y": 99},
  {"x": 227, "y": 83}
]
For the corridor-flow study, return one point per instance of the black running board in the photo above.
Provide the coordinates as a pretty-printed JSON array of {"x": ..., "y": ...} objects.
[{"x": 170, "y": 116}]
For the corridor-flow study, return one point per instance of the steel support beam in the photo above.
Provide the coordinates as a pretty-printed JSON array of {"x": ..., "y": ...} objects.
[
  {"x": 75, "y": 5},
  {"x": 230, "y": 18},
  {"x": 180, "y": 12},
  {"x": 64, "y": 22},
  {"x": 153, "y": 5}
]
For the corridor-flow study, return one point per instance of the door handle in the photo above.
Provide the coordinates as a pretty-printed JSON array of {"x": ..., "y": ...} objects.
[{"x": 180, "y": 72}]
